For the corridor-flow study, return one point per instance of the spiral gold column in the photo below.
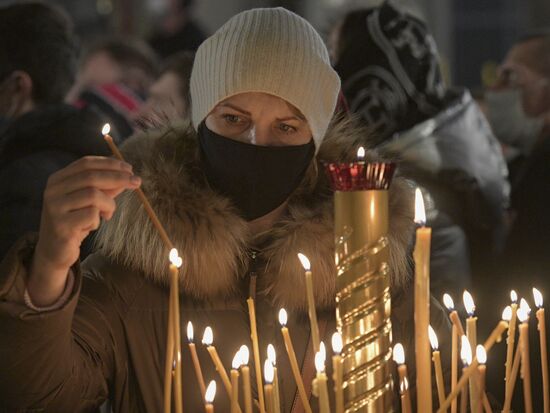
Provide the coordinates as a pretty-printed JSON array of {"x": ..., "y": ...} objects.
[{"x": 363, "y": 298}]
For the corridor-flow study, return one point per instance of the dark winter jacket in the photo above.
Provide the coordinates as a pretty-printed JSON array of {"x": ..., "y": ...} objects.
[{"x": 33, "y": 147}]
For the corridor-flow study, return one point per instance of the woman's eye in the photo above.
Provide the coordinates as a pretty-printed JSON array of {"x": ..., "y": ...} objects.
[
  {"x": 287, "y": 128},
  {"x": 232, "y": 119}
]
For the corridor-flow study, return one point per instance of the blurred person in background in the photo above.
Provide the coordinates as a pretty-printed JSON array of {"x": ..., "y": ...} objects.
[
  {"x": 169, "y": 99},
  {"x": 113, "y": 80},
  {"x": 177, "y": 30},
  {"x": 39, "y": 133},
  {"x": 391, "y": 79},
  {"x": 519, "y": 111}
]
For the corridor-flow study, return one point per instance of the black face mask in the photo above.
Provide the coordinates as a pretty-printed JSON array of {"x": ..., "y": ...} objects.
[{"x": 257, "y": 179}]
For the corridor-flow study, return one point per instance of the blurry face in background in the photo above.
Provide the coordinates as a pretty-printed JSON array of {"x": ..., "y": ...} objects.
[
  {"x": 259, "y": 119},
  {"x": 165, "y": 100},
  {"x": 98, "y": 69},
  {"x": 519, "y": 71}
]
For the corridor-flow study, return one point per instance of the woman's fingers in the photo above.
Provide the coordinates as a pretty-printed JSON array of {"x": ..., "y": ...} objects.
[
  {"x": 90, "y": 163},
  {"x": 104, "y": 180}
]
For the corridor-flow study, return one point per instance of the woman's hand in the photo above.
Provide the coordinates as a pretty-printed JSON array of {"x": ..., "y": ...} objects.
[{"x": 75, "y": 199}]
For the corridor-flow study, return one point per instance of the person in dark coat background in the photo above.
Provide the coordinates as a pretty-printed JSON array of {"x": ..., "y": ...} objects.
[
  {"x": 39, "y": 134},
  {"x": 391, "y": 79}
]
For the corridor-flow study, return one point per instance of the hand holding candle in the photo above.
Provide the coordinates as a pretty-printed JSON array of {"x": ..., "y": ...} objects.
[{"x": 543, "y": 350}]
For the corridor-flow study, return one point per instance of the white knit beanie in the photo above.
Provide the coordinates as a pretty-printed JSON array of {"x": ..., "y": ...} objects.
[{"x": 268, "y": 50}]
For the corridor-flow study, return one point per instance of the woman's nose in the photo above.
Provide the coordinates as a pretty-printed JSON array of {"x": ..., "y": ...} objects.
[{"x": 259, "y": 136}]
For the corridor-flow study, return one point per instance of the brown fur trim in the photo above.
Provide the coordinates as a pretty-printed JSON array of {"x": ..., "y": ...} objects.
[{"x": 213, "y": 240}]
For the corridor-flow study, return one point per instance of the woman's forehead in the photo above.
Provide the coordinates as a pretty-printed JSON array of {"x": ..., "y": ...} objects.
[{"x": 251, "y": 101}]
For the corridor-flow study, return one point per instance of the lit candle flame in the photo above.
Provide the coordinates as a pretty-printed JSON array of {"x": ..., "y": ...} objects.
[
  {"x": 419, "y": 210},
  {"x": 190, "y": 332},
  {"x": 175, "y": 259},
  {"x": 481, "y": 354},
  {"x": 538, "y": 298},
  {"x": 319, "y": 362},
  {"x": 305, "y": 261},
  {"x": 106, "y": 129},
  {"x": 337, "y": 343},
  {"x": 433, "y": 338},
  {"x": 269, "y": 373},
  {"x": 210, "y": 392},
  {"x": 323, "y": 350},
  {"x": 404, "y": 385},
  {"x": 245, "y": 355},
  {"x": 399, "y": 354},
  {"x": 237, "y": 360},
  {"x": 523, "y": 304},
  {"x": 361, "y": 153},
  {"x": 271, "y": 354},
  {"x": 448, "y": 301},
  {"x": 507, "y": 313},
  {"x": 469, "y": 303},
  {"x": 465, "y": 351},
  {"x": 208, "y": 336},
  {"x": 523, "y": 316},
  {"x": 513, "y": 296},
  {"x": 283, "y": 317}
]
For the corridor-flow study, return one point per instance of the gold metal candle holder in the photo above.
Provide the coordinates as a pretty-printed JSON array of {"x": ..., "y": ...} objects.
[{"x": 363, "y": 299}]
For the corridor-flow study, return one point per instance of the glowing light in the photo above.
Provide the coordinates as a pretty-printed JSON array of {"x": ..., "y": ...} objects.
[
  {"x": 523, "y": 316},
  {"x": 404, "y": 385},
  {"x": 538, "y": 298},
  {"x": 419, "y": 210},
  {"x": 106, "y": 129},
  {"x": 283, "y": 317},
  {"x": 208, "y": 336},
  {"x": 319, "y": 362},
  {"x": 399, "y": 354},
  {"x": 190, "y": 332},
  {"x": 465, "y": 351},
  {"x": 507, "y": 313},
  {"x": 361, "y": 153},
  {"x": 210, "y": 392},
  {"x": 523, "y": 304},
  {"x": 323, "y": 350},
  {"x": 237, "y": 360},
  {"x": 337, "y": 343},
  {"x": 469, "y": 303},
  {"x": 245, "y": 354},
  {"x": 433, "y": 338},
  {"x": 269, "y": 373},
  {"x": 271, "y": 354},
  {"x": 305, "y": 261},
  {"x": 513, "y": 296},
  {"x": 448, "y": 301},
  {"x": 481, "y": 354},
  {"x": 175, "y": 259}
]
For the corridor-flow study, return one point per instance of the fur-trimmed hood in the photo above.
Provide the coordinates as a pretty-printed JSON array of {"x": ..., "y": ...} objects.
[{"x": 214, "y": 241}]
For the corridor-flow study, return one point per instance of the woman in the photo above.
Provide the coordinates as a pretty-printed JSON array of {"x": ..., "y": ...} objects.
[{"x": 240, "y": 196}]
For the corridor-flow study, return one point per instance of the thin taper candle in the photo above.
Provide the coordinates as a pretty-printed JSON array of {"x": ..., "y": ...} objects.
[
  {"x": 256, "y": 352},
  {"x": 543, "y": 350}
]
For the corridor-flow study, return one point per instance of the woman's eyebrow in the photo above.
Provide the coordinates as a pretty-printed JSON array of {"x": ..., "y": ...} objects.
[{"x": 229, "y": 105}]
